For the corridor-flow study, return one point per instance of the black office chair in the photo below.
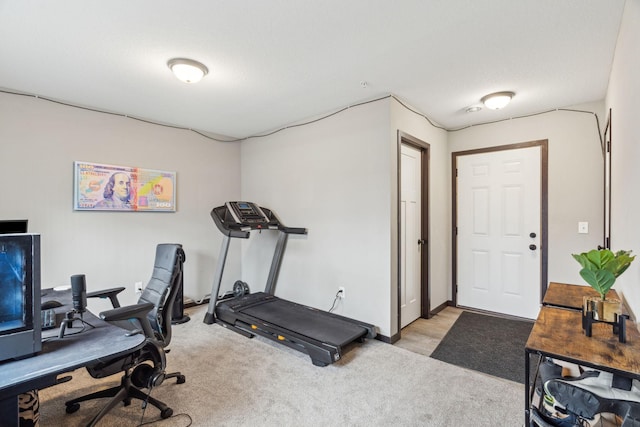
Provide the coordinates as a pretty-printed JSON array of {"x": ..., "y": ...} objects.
[{"x": 144, "y": 368}]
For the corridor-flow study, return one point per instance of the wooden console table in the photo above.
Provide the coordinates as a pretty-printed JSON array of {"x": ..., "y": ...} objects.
[
  {"x": 568, "y": 296},
  {"x": 558, "y": 334}
]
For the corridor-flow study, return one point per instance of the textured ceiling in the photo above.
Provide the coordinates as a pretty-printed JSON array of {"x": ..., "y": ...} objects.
[{"x": 275, "y": 62}]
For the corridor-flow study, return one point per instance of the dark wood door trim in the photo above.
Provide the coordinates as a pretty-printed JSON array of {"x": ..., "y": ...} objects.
[
  {"x": 544, "y": 208},
  {"x": 606, "y": 153},
  {"x": 425, "y": 259}
]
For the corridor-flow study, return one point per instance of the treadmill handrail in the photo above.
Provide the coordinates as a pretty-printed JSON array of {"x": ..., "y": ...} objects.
[
  {"x": 226, "y": 224},
  {"x": 294, "y": 230}
]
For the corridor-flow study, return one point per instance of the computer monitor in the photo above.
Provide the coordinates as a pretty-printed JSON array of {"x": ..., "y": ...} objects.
[
  {"x": 10, "y": 226},
  {"x": 20, "y": 318}
]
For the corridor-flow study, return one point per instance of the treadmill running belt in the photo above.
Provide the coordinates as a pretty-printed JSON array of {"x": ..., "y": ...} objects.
[{"x": 315, "y": 324}]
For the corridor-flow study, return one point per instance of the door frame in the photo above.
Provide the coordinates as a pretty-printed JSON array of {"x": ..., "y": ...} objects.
[
  {"x": 544, "y": 209},
  {"x": 425, "y": 258},
  {"x": 606, "y": 154}
]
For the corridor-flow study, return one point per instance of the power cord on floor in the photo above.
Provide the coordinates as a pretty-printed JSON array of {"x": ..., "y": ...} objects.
[
  {"x": 145, "y": 403},
  {"x": 200, "y": 301}
]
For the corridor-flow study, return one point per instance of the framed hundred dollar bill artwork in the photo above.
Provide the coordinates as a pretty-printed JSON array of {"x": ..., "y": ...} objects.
[{"x": 100, "y": 187}]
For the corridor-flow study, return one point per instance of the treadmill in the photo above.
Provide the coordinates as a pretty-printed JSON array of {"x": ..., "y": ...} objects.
[{"x": 320, "y": 334}]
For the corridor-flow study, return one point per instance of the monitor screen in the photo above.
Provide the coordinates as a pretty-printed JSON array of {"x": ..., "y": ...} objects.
[
  {"x": 20, "y": 319},
  {"x": 15, "y": 284},
  {"x": 10, "y": 226}
]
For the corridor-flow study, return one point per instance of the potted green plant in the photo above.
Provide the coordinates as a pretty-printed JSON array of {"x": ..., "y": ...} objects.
[{"x": 600, "y": 269}]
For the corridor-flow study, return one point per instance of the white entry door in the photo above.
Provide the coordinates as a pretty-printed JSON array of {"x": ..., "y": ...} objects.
[
  {"x": 499, "y": 224},
  {"x": 410, "y": 234}
]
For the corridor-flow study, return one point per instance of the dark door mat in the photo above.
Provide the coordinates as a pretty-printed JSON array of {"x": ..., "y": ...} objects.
[{"x": 488, "y": 344}]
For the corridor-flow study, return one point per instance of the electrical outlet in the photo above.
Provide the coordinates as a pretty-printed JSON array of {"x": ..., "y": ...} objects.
[
  {"x": 138, "y": 287},
  {"x": 341, "y": 292}
]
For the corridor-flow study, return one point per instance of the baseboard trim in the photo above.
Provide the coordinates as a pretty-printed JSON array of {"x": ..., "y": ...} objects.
[
  {"x": 441, "y": 307},
  {"x": 191, "y": 303},
  {"x": 389, "y": 340}
]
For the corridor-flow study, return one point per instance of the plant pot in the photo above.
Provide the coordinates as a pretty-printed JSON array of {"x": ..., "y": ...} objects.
[{"x": 606, "y": 310}]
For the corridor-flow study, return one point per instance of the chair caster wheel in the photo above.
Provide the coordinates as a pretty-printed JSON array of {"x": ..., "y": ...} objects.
[
  {"x": 126, "y": 402},
  {"x": 181, "y": 379},
  {"x": 166, "y": 413},
  {"x": 72, "y": 408}
]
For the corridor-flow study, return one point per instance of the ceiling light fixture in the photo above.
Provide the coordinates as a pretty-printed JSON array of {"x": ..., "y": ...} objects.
[
  {"x": 187, "y": 70},
  {"x": 498, "y": 100}
]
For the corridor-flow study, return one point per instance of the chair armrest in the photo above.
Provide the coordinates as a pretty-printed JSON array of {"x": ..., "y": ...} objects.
[
  {"x": 111, "y": 293},
  {"x": 136, "y": 311}
]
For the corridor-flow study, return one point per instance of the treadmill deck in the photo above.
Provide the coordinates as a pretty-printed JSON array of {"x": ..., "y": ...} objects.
[{"x": 310, "y": 322}]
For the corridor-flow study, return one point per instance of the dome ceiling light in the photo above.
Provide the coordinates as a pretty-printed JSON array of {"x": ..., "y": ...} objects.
[
  {"x": 497, "y": 100},
  {"x": 187, "y": 70}
]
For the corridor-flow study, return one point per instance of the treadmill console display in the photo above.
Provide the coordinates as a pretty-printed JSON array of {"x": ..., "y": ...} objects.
[
  {"x": 238, "y": 219},
  {"x": 247, "y": 213}
]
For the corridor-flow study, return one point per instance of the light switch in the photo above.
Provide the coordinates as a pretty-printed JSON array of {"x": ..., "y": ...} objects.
[{"x": 583, "y": 227}]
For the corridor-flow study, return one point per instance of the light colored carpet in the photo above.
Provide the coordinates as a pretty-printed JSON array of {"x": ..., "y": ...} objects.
[{"x": 235, "y": 381}]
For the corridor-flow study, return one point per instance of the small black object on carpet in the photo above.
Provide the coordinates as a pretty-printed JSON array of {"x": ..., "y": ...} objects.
[{"x": 488, "y": 344}]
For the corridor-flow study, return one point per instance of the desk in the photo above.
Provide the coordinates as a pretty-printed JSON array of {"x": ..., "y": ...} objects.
[
  {"x": 568, "y": 296},
  {"x": 557, "y": 333},
  {"x": 59, "y": 356}
]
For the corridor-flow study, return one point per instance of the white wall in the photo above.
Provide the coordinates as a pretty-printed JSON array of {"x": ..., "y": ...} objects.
[
  {"x": 39, "y": 142},
  {"x": 333, "y": 177},
  {"x": 439, "y": 271},
  {"x": 337, "y": 177},
  {"x": 624, "y": 100},
  {"x": 575, "y": 186}
]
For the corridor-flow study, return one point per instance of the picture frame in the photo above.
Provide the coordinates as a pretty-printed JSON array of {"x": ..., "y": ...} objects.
[{"x": 104, "y": 187}]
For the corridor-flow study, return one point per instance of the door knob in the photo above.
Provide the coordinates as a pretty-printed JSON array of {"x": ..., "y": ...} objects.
[{"x": 533, "y": 247}]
